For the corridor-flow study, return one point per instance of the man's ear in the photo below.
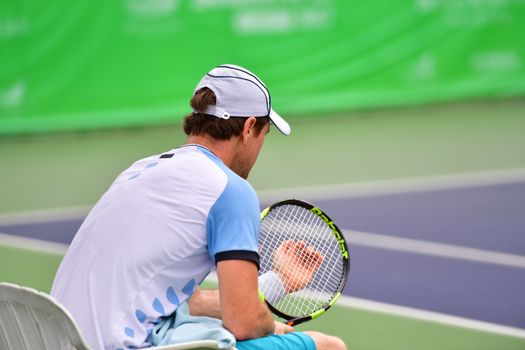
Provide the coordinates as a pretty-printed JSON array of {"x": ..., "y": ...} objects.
[{"x": 249, "y": 128}]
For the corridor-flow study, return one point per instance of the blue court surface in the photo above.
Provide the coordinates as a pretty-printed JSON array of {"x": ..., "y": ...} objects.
[{"x": 458, "y": 251}]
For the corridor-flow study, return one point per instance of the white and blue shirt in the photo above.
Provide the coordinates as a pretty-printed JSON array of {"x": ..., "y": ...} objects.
[{"x": 150, "y": 240}]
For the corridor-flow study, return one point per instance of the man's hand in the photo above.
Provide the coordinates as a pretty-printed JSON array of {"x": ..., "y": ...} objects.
[
  {"x": 282, "y": 328},
  {"x": 296, "y": 264},
  {"x": 205, "y": 303}
]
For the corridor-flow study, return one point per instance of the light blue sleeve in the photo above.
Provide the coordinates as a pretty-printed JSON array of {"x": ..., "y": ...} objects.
[{"x": 233, "y": 221}]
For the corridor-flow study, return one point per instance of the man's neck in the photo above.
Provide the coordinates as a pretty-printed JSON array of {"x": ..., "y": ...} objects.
[{"x": 224, "y": 149}]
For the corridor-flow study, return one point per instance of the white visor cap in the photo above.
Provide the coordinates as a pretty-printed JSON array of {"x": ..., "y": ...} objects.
[{"x": 240, "y": 93}]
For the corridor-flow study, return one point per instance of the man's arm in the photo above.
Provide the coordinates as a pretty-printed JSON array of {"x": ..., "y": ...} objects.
[{"x": 243, "y": 313}]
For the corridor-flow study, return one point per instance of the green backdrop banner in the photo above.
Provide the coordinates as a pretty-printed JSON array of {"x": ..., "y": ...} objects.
[{"x": 83, "y": 64}]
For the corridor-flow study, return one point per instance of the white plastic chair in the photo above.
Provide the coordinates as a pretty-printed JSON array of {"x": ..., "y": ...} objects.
[{"x": 32, "y": 320}]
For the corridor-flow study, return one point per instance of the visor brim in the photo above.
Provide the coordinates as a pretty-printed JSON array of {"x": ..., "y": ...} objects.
[{"x": 281, "y": 124}]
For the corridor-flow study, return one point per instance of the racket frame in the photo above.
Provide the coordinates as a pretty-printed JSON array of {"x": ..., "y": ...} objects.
[{"x": 343, "y": 248}]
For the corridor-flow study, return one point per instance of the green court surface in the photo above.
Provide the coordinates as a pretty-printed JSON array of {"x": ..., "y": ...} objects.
[
  {"x": 27, "y": 267},
  {"x": 361, "y": 329},
  {"x": 74, "y": 169}
]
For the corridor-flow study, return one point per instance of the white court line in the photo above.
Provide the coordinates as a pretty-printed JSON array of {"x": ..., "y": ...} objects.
[
  {"x": 418, "y": 314},
  {"x": 395, "y": 186},
  {"x": 430, "y": 316},
  {"x": 41, "y": 216},
  {"x": 32, "y": 244},
  {"x": 367, "y": 239},
  {"x": 432, "y": 248}
]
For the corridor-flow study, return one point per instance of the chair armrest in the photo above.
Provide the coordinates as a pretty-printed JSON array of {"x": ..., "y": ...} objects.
[{"x": 192, "y": 345}]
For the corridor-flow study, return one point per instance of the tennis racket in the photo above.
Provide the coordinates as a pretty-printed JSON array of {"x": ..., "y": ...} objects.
[{"x": 304, "y": 261}]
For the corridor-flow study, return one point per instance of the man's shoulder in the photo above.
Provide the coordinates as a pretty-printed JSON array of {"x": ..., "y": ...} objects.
[{"x": 234, "y": 181}]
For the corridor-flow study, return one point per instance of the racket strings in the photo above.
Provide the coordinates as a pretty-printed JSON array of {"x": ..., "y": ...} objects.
[
  {"x": 291, "y": 222},
  {"x": 326, "y": 284},
  {"x": 311, "y": 294},
  {"x": 302, "y": 217}
]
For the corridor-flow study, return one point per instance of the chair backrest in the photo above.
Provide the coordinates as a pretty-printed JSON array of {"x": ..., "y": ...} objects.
[{"x": 32, "y": 320}]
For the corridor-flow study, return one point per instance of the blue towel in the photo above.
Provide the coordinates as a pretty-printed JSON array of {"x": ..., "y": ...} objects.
[{"x": 182, "y": 327}]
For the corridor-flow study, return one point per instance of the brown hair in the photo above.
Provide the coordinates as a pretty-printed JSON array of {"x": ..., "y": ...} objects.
[{"x": 199, "y": 123}]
